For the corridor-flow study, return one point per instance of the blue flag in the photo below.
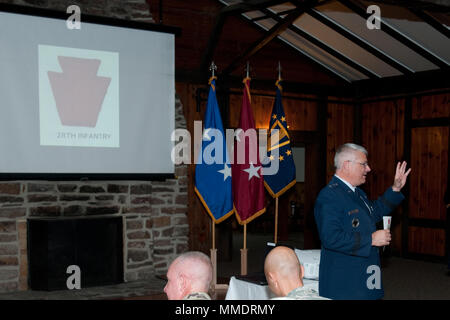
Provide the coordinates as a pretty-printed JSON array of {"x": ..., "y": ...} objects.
[
  {"x": 213, "y": 170},
  {"x": 280, "y": 182}
]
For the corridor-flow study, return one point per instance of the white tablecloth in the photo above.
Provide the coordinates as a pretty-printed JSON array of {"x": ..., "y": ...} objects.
[
  {"x": 243, "y": 290},
  {"x": 310, "y": 259}
]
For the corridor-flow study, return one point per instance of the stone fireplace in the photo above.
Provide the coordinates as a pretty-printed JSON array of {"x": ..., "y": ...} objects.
[
  {"x": 74, "y": 252},
  {"x": 154, "y": 215}
]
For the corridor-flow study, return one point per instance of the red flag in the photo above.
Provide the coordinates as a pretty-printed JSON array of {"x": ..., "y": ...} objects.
[{"x": 248, "y": 181}]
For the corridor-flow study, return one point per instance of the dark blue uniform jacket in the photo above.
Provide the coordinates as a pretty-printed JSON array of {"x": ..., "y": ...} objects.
[{"x": 345, "y": 224}]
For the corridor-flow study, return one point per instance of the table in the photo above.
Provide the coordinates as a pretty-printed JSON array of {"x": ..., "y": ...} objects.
[{"x": 244, "y": 290}]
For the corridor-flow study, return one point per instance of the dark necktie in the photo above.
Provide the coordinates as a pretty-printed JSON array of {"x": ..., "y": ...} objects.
[{"x": 360, "y": 196}]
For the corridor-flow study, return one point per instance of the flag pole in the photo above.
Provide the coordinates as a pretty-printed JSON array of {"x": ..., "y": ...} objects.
[
  {"x": 214, "y": 255},
  {"x": 279, "y": 71},
  {"x": 213, "y": 68},
  {"x": 276, "y": 221},
  {"x": 245, "y": 236},
  {"x": 276, "y": 199},
  {"x": 244, "y": 254},
  {"x": 244, "y": 250},
  {"x": 213, "y": 234},
  {"x": 214, "y": 285}
]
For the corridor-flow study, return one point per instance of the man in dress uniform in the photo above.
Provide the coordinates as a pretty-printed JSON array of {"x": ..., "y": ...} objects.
[
  {"x": 346, "y": 220},
  {"x": 284, "y": 275},
  {"x": 189, "y": 277}
]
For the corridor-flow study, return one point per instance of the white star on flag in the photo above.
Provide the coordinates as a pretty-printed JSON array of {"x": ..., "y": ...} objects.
[
  {"x": 252, "y": 171},
  {"x": 226, "y": 172}
]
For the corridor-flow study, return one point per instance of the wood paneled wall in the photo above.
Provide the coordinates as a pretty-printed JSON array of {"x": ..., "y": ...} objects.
[
  {"x": 300, "y": 115},
  {"x": 429, "y": 161},
  {"x": 340, "y": 127},
  {"x": 427, "y": 241},
  {"x": 383, "y": 134},
  {"x": 431, "y": 106},
  {"x": 429, "y": 181},
  {"x": 383, "y": 137}
]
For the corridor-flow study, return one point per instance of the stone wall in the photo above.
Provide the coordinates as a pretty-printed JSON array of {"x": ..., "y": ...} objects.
[
  {"x": 122, "y": 9},
  {"x": 155, "y": 212}
]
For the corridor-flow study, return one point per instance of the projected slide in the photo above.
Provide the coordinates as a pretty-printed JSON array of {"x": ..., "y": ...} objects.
[
  {"x": 95, "y": 101},
  {"x": 78, "y": 97}
]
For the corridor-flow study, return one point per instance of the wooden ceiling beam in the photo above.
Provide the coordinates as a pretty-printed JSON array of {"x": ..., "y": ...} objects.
[
  {"x": 317, "y": 42},
  {"x": 235, "y": 9},
  {"x": 269, "y": 36},
  {"x": 420, "y": 81},
  {"x": 212, "y": 43},
  {"x": 266, "y": 16},
  {"x": 250, "y": 5},
  {"x": 430, "y": 5},
  {"x": 431, "y": 21},
  {"x": 359, "y": 42}
]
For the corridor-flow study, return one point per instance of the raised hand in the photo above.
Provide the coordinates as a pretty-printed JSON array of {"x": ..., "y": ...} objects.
[{"x": 400, "y": 176}]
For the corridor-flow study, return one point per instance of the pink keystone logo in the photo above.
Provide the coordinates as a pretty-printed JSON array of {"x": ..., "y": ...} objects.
[{"x": 78, "y": 91}]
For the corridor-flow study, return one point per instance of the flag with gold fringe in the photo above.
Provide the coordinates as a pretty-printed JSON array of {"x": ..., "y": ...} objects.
[
  {"x": 278, "y": 183},
  {"x": 248, "y": 181},
  {"x": 213, "y": 170}
]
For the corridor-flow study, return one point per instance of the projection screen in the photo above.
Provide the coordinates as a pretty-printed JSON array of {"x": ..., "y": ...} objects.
[{"x": 91, "y": 102}]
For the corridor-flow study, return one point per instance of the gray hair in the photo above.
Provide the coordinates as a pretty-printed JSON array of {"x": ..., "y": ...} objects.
[
  {"x": 202, "y": 273},
  {"x": 347, "y": 152}
]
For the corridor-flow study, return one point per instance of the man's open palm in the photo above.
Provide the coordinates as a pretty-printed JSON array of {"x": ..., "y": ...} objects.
[{"x": 400, "y": 176}]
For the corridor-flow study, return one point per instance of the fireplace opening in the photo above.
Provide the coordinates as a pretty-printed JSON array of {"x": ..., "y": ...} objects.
[{"x": 92, "y": 244}]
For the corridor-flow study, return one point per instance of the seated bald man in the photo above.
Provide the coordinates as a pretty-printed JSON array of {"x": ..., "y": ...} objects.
[
  {"x": 189, "y": 277},
  {"x": 284, "y": 275}
]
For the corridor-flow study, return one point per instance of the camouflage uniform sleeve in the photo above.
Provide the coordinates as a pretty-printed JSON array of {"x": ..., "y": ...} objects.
[
  {"x": 197, "y": 296},
  {"x": 303, "y": 293}
]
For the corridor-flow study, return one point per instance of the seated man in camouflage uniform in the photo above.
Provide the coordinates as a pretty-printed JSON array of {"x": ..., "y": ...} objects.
[
  {"x": 284, "y": 275},
  {"x": 189, "y": 277}
]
